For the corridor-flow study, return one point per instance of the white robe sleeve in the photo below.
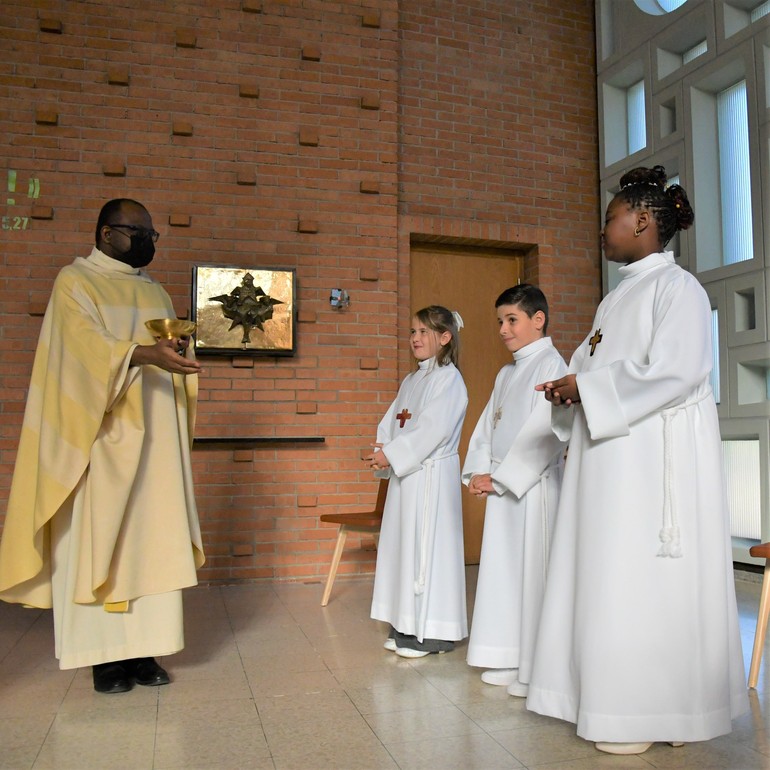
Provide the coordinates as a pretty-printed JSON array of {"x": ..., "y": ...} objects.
[
  {"x": 613, "y": 397},
  {"x": 535, "y": 445},
  {"x": 562, "y": 416},
  {"x": 384, "y": 435}
]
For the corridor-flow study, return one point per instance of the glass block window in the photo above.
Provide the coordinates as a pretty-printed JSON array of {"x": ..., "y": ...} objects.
[
  {"x": 734, "y": 174},
  {"x": 741, "y": 464}
]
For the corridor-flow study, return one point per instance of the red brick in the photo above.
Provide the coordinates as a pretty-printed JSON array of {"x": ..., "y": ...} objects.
[
  {"x": 51, "y": 25},
  {"x": 118, "y": 76},
  {"x": 185, "y": 38},
  {"x": 114, "y": 168},
  {"x": 46, "y": 116}
]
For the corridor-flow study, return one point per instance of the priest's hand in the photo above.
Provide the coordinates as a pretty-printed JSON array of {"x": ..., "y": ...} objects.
[
  {"x": 481, "y": 485},
  {"x": 561, "y": 392},
  {"x": 376, "y": 460},
  {"x": 166, "y": 354}
]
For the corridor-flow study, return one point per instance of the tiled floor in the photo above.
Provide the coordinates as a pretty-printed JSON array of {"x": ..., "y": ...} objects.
[{"x": 270, "y": 679}]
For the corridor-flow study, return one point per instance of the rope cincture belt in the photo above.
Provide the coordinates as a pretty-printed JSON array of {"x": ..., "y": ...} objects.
[
  {"x": 419, "y": 584},
  {"x": 670, "y": 536}
]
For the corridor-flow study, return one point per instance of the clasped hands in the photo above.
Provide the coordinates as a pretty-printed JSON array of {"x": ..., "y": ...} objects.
[
  {"x": 561, "y": 392},
  {"x": 481, "y": 485},
  {"x": 376, "y": 460}
]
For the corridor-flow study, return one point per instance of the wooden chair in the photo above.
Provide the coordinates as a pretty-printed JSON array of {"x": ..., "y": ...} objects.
[
  {"x": 369, "y": 521},
  {"x": 760, "y": 552}
]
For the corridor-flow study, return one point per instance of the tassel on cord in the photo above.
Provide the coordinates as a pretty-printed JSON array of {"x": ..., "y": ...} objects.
[{"x": 671, "y": 543}]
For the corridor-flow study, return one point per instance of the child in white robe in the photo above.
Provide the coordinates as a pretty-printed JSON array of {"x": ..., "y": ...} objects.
[
  {"x": 419, "y": 582},
  {"x": 514, "y": 461},
  {"x": 639, "y": 639}
]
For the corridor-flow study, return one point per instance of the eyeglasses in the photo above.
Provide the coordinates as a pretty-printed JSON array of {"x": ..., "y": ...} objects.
[{"x": 143, "y": 231}]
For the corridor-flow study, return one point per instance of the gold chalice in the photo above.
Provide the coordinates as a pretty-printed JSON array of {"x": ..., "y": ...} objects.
[{"x": 170, "y": 328}]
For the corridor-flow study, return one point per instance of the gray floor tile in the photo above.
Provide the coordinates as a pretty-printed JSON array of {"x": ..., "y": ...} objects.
[{"x": 270, "y": 680}]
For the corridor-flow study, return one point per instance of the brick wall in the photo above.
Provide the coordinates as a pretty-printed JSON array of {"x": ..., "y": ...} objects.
[
  {"x": 498, "y": 138},
  {"x": 241, "y": 123}
]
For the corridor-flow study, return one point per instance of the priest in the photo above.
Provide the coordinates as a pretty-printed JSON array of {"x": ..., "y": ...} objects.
[{"x": 101, "y": 523}]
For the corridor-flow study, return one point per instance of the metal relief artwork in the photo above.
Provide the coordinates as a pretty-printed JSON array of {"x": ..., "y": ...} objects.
[
  {"x": 244, "y": 310},
  {"x": 247, "y": 306}
]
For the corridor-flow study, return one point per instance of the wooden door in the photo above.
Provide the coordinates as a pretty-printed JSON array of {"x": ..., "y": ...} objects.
[{"x": 468, "y": 280}]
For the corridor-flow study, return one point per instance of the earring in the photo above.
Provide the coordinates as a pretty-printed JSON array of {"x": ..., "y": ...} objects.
[{"x": 636, "y": 232}]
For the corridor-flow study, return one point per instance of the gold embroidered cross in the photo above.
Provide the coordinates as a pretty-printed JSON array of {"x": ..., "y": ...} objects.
[
  {"x": 595, "y": 340},
  {"x": 403, "y": 417}
]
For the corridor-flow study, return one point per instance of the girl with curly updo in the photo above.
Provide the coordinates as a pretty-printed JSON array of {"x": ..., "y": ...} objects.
[{"x": 639, "y": 639}]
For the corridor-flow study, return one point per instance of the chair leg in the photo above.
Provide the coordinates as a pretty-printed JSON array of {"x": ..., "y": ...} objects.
[
  {"x": 759, "y": 634},
  {"x": 341, "y": 537}
]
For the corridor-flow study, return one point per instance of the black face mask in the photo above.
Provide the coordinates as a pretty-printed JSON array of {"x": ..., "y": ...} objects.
[{"x": 141, "y": 251}]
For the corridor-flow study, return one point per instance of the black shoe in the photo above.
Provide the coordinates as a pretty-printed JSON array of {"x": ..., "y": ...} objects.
[
  {"x": 111, "y": 677},
  {"x": 146, "y": 671},
  {"x": 405, "y": 641}
]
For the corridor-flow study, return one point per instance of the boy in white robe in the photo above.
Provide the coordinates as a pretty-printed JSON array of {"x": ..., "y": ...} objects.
[
  {"x": 101, "y": 522},
  {"x": 514, "y": 461},
  {"x": 639, "y": 639},
  {"x": 419, "y": 582}
]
